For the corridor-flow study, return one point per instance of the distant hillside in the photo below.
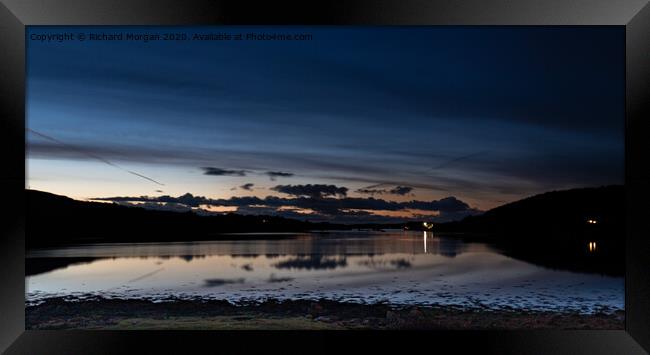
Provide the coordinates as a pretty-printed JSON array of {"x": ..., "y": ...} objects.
[
  {"x": 553, "y": 229},
  {"x": 53, "y": 220},
  {"x": 552, "y": 214},
  {"x": 550, "y": 229}
]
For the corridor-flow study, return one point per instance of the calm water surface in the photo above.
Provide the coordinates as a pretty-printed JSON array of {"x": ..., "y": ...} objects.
[{"x": 394, "y": 266}]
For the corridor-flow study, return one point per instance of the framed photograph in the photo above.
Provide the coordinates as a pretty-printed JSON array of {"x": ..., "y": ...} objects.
[{"x": 242, "y": 177}]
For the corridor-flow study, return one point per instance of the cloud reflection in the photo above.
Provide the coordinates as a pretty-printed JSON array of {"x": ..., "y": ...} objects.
[
  {"x": 312, "y": 262},
  {"x": 221, "y": 282}
]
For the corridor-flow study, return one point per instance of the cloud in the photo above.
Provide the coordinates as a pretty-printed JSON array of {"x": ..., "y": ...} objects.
[
  {"x": 276, "y": 174},
  {"x": 176, "y": 207},
  {"x": 368, "y": 191},
  {"x": 401, "y": 190},
  {"x": 398, "y": 190},
  {"x": 187, "y": 199},
  {"x": 448, "y": 204},
  {"x": 247, "y": 187},
  {"x": 338, "y": 210},
  {"x": 502, "y": 177},
  {"x": 222, "y": 172},
  {"x": 313, "y": 191}
]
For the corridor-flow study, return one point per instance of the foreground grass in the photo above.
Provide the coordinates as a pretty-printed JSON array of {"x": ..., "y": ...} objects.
[{"x": 296, "y": 315}]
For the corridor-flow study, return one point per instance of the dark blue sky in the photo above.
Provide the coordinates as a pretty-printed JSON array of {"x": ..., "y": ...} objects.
[{"x": 486, "y": 115}]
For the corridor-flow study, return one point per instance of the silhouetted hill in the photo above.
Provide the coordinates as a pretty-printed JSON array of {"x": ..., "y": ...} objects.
[
  {"x": 553, "y": 229},
  {"x": 54, "y": 220},
  {"x": 549, "y": 229},
  {"x": 553, "y": 213}
]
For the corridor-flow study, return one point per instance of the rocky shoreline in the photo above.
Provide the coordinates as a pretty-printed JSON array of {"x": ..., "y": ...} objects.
[{"x": 101, "y": 313}]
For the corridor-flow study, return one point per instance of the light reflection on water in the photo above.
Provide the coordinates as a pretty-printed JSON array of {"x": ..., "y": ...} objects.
[{"x": 398, "y": 267}]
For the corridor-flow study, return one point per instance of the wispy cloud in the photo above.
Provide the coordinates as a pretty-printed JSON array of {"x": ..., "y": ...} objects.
[
  {"x": 314, "y": 191},
  {"x": 208, "y": 170},
  {"x": 273, "y": 175},
  {"x": 349, "y": 209},
  {"x": 397, "y": 190},
  {"x": 247, "y": 187}
]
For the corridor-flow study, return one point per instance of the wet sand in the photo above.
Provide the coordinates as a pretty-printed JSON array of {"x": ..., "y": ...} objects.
[{"x": 99, "y": 313}]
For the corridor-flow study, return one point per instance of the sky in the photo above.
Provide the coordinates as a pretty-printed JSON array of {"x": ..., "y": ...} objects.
[{"x": 358, "y": 124}]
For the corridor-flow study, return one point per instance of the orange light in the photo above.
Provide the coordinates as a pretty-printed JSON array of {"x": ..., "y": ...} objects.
[{"x": 592, "y": 247}]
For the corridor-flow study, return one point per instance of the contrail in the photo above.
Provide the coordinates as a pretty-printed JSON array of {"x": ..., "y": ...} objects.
[
  {"x": 92, "y": 155},
  {"x": 144, "y": 177}
]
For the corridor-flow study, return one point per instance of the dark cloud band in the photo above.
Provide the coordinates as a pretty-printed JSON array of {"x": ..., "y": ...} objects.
[
  {"x": 222, "y": 172},
  {"x": 247, "y": 187},
  {"x": 342, "y": 208},
  {"x": 397, "y": 190},
  {"x": 314, "y": 191}
]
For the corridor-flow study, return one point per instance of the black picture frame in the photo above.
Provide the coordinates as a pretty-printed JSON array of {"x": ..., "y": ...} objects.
[{"x": 634, "y": 15}]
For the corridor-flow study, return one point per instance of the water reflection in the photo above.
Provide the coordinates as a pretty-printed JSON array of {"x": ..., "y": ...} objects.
[
  {"x": 401, "y": 263},
  {"x": 332, "y": 243},
  {"x": 425, "y": 242},
  {"x": 393, "y": 266},
  {"x": 383, "y": 264},
  {"x": 312, "y": 262},
  {"x": 274, "y": 279},
  {"x": 221, "y": 282},
  {"x": 592, "y": 247},
  {"x": 449, "y": 247},
  {"x": 146, "y": 275}
]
